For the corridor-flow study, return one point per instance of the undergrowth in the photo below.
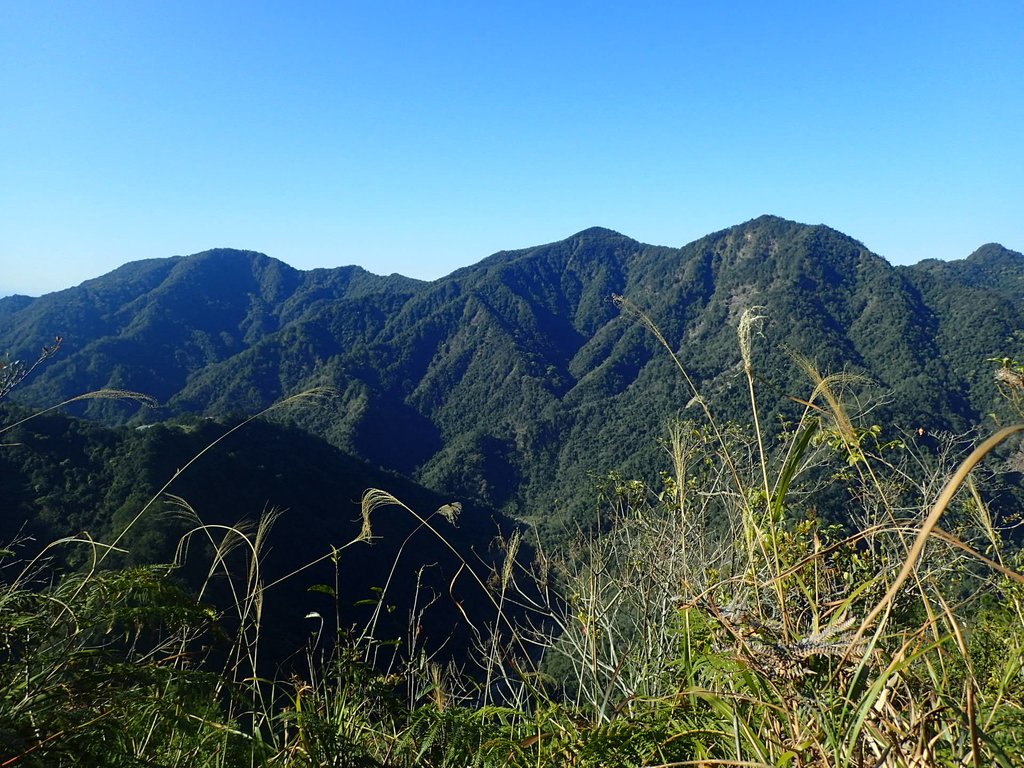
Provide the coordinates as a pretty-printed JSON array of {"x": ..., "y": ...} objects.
[{"x": 837, "y": 596}]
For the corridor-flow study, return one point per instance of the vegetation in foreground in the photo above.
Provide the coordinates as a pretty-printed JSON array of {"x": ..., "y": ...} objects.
[{"x": 721, "y": 619}]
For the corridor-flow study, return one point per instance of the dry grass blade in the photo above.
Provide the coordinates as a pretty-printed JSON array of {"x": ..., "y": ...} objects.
[
  {"x": 99, "y": 394},
  {"x": 13, "y": 373},
  {"x": 375, "y": 499},
  {"x": 630, "y": 308},
  {"x": 826, "y": 387},
  {"x": 750, "y": 322},
  {"x": 930, "y": 523}
]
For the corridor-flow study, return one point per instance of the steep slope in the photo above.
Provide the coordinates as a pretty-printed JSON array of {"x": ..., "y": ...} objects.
[
  {"x": 61, "y": 476},
  {"x": 978, "y": 305},
  {"x": 423, "y": 375},
  {"x": 516, "y": 380},
  {"x": 151, "y": 325},
  {"x": 824, "y": 295}
]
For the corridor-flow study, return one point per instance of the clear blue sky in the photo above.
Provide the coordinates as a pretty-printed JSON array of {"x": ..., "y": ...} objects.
[{"x": 418, "y": 137}]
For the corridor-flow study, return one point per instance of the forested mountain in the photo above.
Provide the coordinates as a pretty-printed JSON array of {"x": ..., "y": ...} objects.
[
  {"x": 513, "y": 381},
  {"x": 66, "y": 477},
  {"x": 978, "y": 306}
]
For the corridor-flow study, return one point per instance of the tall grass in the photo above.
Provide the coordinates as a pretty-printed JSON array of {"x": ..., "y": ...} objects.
[{"x": 718, "y": 618}]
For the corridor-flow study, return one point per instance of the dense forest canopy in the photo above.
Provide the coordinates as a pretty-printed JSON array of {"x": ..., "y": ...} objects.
[{"x": 515, "y": 378}]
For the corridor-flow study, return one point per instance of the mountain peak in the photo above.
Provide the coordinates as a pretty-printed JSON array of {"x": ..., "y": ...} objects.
[
  {"x": 229, "y": 257},
  {"x": 220, "y": 253},
  {"x": 994, "y": 252},
  {"x": 778, "y": 224},
  {"x": 594, "y": 232}
]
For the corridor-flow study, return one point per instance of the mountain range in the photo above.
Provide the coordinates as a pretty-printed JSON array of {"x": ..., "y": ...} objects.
[{"x": 515, "y": 382}]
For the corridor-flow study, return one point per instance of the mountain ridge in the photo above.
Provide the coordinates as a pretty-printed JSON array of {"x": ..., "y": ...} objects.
[
  {"x": 513, "y": 379},
  {"x": 19, "y": 300}
]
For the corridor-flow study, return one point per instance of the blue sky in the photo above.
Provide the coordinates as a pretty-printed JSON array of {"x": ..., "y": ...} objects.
[{"x": 419, "y": 137}]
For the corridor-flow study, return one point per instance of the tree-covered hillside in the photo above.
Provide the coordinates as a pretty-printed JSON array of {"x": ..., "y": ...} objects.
[
  {"x": 65, "y": 477},
  {"x": 978, "y": 310},
  {"x": 514, "y": 381}
]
